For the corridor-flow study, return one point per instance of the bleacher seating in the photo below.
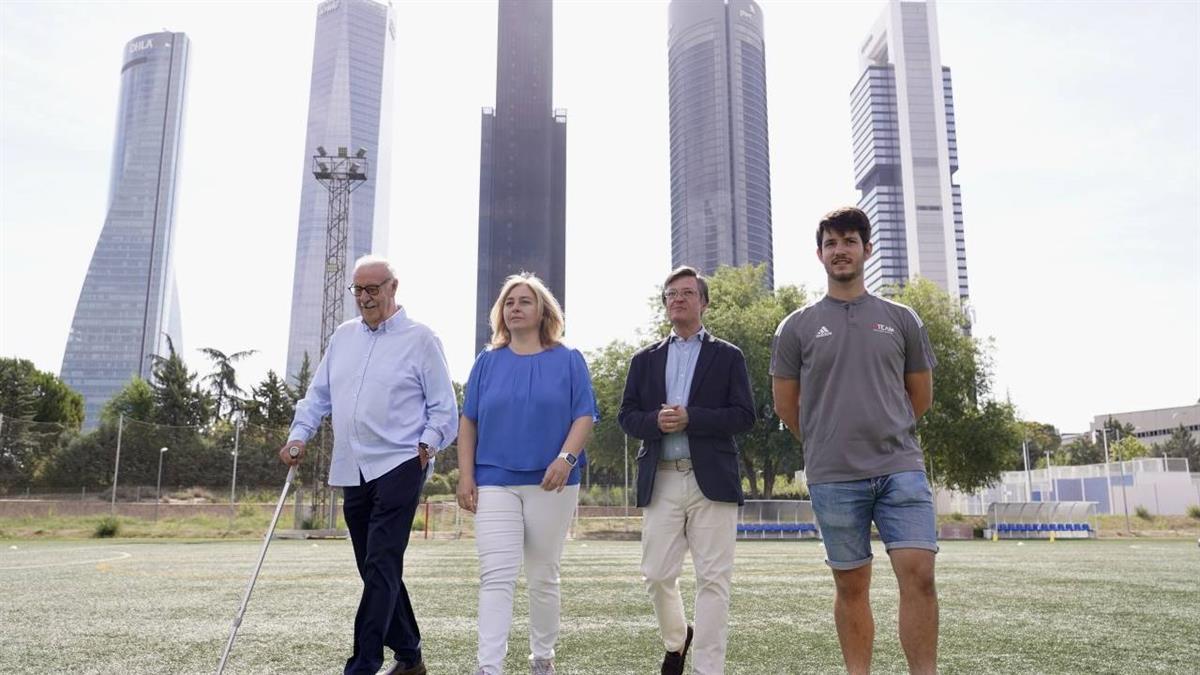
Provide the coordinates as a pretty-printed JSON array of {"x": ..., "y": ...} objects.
[
  {"x": 1042, "y": 520},
  {"x": 777, "y": 519}
]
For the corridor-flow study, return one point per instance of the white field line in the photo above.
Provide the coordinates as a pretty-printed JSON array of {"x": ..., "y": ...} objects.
[{"x": 121, "y": 555}]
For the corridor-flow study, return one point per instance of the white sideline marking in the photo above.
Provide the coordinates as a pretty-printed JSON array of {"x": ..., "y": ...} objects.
[{"x": 121, "y": 555}]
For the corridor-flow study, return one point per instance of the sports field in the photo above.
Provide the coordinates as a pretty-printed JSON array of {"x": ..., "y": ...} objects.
[{"x": 141, "y": 606}]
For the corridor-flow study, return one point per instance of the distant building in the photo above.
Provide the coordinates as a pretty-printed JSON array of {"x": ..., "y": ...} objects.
[
  {"x": 350, "y": 106},
  {"x": 906, "y": 153},
  {"x": 720, "y": 158},
  {"x": 1154, "y": 426},
  {"x": 129, "y": 304},
  {"x": 522, "y": 163}
]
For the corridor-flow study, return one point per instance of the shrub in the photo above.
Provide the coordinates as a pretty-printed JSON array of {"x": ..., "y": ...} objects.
[
  {"x": 599, "y": 495},
  {"x": 192, "y": 494},
  {"x": 438, "y": 485},
  {"x": 957, "y": 517},
  {"x": 1194, "y": 511},
  {"x": 107, "y": 527},
  {"x": 1143, "y": 513}
]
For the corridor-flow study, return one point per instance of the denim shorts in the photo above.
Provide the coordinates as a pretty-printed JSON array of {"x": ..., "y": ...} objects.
[{"x": 901, "y": 504}]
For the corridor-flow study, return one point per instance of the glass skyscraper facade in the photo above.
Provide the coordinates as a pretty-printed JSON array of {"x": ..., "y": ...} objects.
[
  {"x": 129, "y": 303},
  {"x": 720, "y": 159},
  {"x": 522, "y": 167},
  {"x": 350, "y": 106},
  {"x": 906, "y": 154}
]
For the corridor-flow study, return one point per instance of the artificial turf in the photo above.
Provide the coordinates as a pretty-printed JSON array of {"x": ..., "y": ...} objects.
[{"x": 153, "y": 606}]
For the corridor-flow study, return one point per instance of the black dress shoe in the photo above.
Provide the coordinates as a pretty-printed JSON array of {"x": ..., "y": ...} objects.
[
  {"x": 673, "y": 661},
  {"x": 404, "y": 668}
]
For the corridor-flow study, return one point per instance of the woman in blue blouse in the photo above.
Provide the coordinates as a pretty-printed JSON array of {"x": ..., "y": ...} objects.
[{"x": 528, "y": 411}]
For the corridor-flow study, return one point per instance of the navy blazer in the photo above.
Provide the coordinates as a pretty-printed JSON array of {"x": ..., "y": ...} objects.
[{"x": 720, "y": 405}]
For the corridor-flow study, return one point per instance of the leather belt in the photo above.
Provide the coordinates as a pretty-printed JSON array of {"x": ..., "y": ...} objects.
[{"x": 675, "y": 464}]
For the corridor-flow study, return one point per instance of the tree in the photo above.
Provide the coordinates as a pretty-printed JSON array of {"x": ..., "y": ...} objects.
[
  {"x": 57, "y": 403},
  {"x": 223, "y": 380},
  {"x": 1182, "y": 444},
  {"x": 135, "y": 401},
  {"x": 446, "y": 461},
  {"x": 302, "y": 379},
  {"x": 1128, "y": 448},
  {"x": 1082, "y": 450},
  {"x": 606, "y": 448},
  {"x": 178, "y": 400},
  {"x": 18, "y": 395},
  {"x": 1118, "y": 430},
  {"x": 271, "y": 403},
  {"x": 1040, "y": 438},
  {"x": 968, "y": 438},
  {"x": 40, "y": 413},
  {"x": 30, "y": 394}
]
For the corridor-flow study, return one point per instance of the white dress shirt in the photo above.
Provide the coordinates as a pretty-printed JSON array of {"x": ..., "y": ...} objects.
[{"x": 388, "y": 389}]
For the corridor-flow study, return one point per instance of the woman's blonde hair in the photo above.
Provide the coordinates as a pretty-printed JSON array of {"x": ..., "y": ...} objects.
[{"x": 550, "y": 329}]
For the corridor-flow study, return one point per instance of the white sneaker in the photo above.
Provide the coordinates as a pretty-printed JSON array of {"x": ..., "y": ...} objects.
[{"x": 541, "y": 667}]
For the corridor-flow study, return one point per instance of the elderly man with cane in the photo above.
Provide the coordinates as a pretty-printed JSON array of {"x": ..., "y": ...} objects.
[{"x": 385, "y": 381}]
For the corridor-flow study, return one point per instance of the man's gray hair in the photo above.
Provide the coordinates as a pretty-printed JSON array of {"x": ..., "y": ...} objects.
[{"x": 369, "y": 259}]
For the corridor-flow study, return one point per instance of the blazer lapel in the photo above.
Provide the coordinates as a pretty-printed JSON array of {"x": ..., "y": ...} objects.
[
  {"x": 658, "y": 371},
  {"x": 708, "y": 352}
]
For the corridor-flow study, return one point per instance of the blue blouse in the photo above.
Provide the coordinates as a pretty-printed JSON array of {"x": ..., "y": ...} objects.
[{"x": 523, "y": 407}]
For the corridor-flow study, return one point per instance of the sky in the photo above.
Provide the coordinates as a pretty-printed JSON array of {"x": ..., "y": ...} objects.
[{"x": 1078, "y": 135}]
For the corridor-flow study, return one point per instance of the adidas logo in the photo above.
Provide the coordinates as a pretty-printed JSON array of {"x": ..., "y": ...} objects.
[{"x": 824, "y": 332}]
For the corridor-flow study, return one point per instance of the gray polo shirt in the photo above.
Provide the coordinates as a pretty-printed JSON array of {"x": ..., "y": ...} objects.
[{"x": 851, "y": 357}]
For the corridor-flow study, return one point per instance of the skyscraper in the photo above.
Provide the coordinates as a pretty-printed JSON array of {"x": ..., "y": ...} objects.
[
  {"x": 905, "y": 152},
  {"x": 350, "y": 106},
  {"x": 129, "y": 303},
  {"x": 720, "y": 161},
  {"x": 522, "y": 165}
]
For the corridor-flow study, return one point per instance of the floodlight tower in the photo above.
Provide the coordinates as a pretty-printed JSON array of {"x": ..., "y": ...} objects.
[{"x": 340, "y": 176}]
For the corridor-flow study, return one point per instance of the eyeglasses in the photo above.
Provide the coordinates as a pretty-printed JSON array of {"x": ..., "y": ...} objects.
[
  {"x": 686, "y": 294},
  {"x": 372, "y": 290}
]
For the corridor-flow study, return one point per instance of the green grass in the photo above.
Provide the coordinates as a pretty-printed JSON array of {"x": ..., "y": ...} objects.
[{"x": 152, "y": 606}]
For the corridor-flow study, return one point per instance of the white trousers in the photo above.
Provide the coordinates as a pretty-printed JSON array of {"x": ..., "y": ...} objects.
[
  {"x": 681, "y": 519},
  {"x": 511, "y": 523}
]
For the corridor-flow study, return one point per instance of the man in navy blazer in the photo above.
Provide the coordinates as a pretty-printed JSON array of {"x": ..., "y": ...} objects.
[{"x": 685, "y": 398}]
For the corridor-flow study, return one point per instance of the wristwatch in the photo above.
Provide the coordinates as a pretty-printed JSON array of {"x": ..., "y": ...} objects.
[
  {"x": 425, "y": 446},
  {"x": 570, "y": 459}
]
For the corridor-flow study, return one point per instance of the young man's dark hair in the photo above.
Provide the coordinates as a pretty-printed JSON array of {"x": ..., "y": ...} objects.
[
  {"x": 845, "y": 219},
  {"x": 687, "y": 271}
]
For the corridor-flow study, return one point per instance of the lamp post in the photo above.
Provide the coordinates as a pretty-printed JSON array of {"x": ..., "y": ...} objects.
[
  {"x": 1107, "y": 468},
  {"x": 1108, "y": 474},
  {"x": 117, "y": 464},
  {"x": 237, "y": 432},
  {"x": 1050, "y": 477},
  {"x": 1028, "y": 475},
  {"x": 158, "y": 490}
]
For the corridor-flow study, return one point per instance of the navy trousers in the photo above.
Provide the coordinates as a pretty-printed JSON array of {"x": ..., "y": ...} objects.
[{"x": 379, "y": 514}]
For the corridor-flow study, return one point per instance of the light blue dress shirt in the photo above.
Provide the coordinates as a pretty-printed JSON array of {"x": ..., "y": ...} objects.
[
  {"x": 388, "y": 389},
  {"x": 681, "y": 366}
]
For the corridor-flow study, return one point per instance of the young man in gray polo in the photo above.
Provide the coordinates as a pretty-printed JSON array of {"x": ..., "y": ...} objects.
[{"x": 851, "y": 374}]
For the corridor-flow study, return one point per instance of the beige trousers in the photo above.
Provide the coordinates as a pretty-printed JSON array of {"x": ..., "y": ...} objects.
[{"x": 680, "y": 519}]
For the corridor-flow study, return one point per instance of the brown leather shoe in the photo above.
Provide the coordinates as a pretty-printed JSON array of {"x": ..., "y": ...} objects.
[
  {"x": 404, "y": 668},
  {"x": 673, "y": 661}
]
